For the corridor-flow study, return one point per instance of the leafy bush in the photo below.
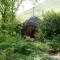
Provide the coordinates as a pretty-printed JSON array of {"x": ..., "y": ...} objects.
[
  {"x": 55, "y": 44},
  {"x": 42, "y": 46},
  {"x": 51, "y": 24},
  {"x": 4, "y": 45},
  {"x": 39, "y": 33}
]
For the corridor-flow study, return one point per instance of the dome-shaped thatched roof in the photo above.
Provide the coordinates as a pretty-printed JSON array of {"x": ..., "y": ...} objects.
[{"x": 32, "y": 21}]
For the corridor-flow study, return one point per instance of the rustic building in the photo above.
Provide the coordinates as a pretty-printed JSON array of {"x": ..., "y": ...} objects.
[{"x": 30, "y": 27}]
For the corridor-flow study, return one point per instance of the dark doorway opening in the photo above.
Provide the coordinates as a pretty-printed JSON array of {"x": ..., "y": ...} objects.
[{"x": 29, "y": 31}]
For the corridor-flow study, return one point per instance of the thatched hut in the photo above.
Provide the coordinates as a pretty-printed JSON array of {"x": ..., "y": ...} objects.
[{"x": 30, "y": 26}]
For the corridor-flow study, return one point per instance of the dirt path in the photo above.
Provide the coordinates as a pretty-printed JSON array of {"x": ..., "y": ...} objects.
[{"x": 56, "y": 57}]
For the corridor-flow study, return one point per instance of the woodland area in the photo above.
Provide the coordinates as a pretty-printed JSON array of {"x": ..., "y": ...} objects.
[{"x": 13, "y": 46}]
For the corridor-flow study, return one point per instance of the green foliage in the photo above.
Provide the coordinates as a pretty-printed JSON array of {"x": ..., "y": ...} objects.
[
  {"x": 42, "y": 46},
  {"x": 51, "y": 24},
  {"x": 54, "y": 44},
  {"x": 15, "y": 47},
  {"x": 39, "y": 34},
  {"x": 25, "y": 49},
  {"x": 47, "y": 58}
]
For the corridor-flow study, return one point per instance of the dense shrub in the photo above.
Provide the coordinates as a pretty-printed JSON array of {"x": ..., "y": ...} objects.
[
  {"x": 55, "y": 43},
  {"x": 25, "y": 49},
  {"x": 18, "y": 28},
  {"x": 49, "y": 26},
  {"x": 39, "y": 33}
]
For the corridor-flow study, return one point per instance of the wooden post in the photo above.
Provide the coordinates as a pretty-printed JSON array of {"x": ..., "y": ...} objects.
[{"x": 33, "y": 10}]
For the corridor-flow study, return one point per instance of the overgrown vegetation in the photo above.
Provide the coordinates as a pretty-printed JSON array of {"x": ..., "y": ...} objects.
[
  {"x": 50, "y": 25},
  {"x": 14, "y": 47},
  {"x": 49, "y": 30}
]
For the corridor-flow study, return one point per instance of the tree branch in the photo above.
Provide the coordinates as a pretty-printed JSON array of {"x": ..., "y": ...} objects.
[{"x": 19, "y": 5}]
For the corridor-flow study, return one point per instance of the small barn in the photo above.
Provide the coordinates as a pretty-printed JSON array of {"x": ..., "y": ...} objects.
[{"x": 30, "y": 26}]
